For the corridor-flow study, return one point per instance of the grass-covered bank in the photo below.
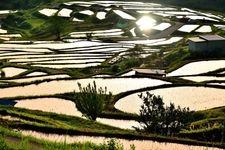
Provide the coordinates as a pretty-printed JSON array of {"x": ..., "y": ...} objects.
[
  {"x": 61, "y": 124},
  {"x": 12, "y": 140},
  {"x": 177, "y": 55}
]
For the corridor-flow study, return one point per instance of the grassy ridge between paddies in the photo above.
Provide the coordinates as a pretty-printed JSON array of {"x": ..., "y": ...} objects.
[
  {"x": 60, "y": 124},
  {"x": 209, "y": 127},
  {"x": 12, "y": 140}
]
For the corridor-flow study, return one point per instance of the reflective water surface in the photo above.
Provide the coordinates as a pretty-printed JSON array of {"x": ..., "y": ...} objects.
[
  {"x": 139, "y": 144},
  {"x": 115, "y": 85},
  {"x": 196, "y": 98}
]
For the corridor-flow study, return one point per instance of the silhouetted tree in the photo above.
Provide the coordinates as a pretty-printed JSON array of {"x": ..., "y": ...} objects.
[
  {"x": 151, "y": 113},
  {"x": 2, "y": 74},
  {"x": 156, "y": 118}
]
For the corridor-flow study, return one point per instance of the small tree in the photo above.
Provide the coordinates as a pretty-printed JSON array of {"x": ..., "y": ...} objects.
[
  {"x": 151, "y": 113},
  {"x": 57, "y": 26},
  {"x": 155, "y": 118},
  {"x": 90, "y": 101}
]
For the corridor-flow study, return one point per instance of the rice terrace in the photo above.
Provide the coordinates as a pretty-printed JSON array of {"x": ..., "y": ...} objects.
[{"x": 112, "y": 75}]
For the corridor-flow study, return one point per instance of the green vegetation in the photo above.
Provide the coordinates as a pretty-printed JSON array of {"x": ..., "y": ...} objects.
[
  {"x": 58, "y": 25},
  {"x": 216, "y": 5},
  {"x": 38, "y": 26},
  {"x": 156, "y": 118},
  {"x": 209, "y": 126},
  {"x": 60, "y": 124},
  {"x": 21, "y": 4},
  {"x": 175, "y": 56},
  {"x": 33, "y": 25},
  {"x": 11, "y": 140},
  {"x": 91, "y": 101},
  {"x": 45, "y": 122}
]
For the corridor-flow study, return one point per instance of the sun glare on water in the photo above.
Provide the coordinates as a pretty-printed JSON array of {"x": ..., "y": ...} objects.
[{"x": 146, "y": 23}]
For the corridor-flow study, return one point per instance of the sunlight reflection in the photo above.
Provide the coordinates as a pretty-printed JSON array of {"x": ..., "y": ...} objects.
[{"x": 146, "y": 23}]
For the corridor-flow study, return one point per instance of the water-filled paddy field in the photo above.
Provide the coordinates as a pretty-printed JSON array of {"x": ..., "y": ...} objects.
[
  {"x": 139, "y": 144},
  {"x": 196, "y": 98},
  {"x": 115, "y": 85}
]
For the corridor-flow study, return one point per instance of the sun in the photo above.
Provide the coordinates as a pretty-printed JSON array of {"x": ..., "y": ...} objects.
[{"x": 146, "y": 23}]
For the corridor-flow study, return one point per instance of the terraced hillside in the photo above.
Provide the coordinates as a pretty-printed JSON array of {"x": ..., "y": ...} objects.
[{"x": 128, "y": 47}]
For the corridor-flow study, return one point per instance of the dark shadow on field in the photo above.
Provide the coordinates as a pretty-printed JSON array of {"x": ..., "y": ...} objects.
[{"x": 7, "y": 102}]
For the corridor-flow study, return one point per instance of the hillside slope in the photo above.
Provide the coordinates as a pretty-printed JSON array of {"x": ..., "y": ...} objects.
[
  {"x": 215, "y": 5},
  {"x": 20, "y": 4}
]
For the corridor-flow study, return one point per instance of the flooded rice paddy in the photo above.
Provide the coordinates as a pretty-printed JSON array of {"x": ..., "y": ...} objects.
[
  {"x": 2, "y": 12},
  {"x": 204, "y": 29},
  {"x": 60, "y": 66},
  {"x": 123, "y": 124},
  {"x": 65, "y": 12},
  {"x": 196, "y": 98},
  {"x": 115, "y": 85},
  {"x": 67, "y": 107},
  {"x": 87, "y": 12},
  {"x": 129, "y": 12},
  {"x": 2, "y": 31},
  {"x": 12, "y": 71},
  {"x": 188, "y": 28},
  {"x": 36, "y": 73},
  {"x": 204, "y": 78},
  {"x": 48, "y": 12},
  {"x": 55, "y": 105},
  {"x": 198, "y": 67},
  {"x": 79, "y": 54},
  {"x": 139, "y": 144},
  {"x": 40, "y": 78}
]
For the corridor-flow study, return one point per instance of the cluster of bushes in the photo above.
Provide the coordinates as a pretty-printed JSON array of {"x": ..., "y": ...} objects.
[
  {"x": 213, "y": 134},
  {"x": 156, "y": 118},
  {"x": 16, "y": 21}
]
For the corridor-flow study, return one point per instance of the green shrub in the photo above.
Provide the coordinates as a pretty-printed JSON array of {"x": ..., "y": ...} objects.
[
  {"x": 90, "y": 101},
  {"x": 112, "y": 144},
  {"x": 13, "y": 20},
  {"x": 130, "y": 62},
  {"x": 115, "y": 68}
]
